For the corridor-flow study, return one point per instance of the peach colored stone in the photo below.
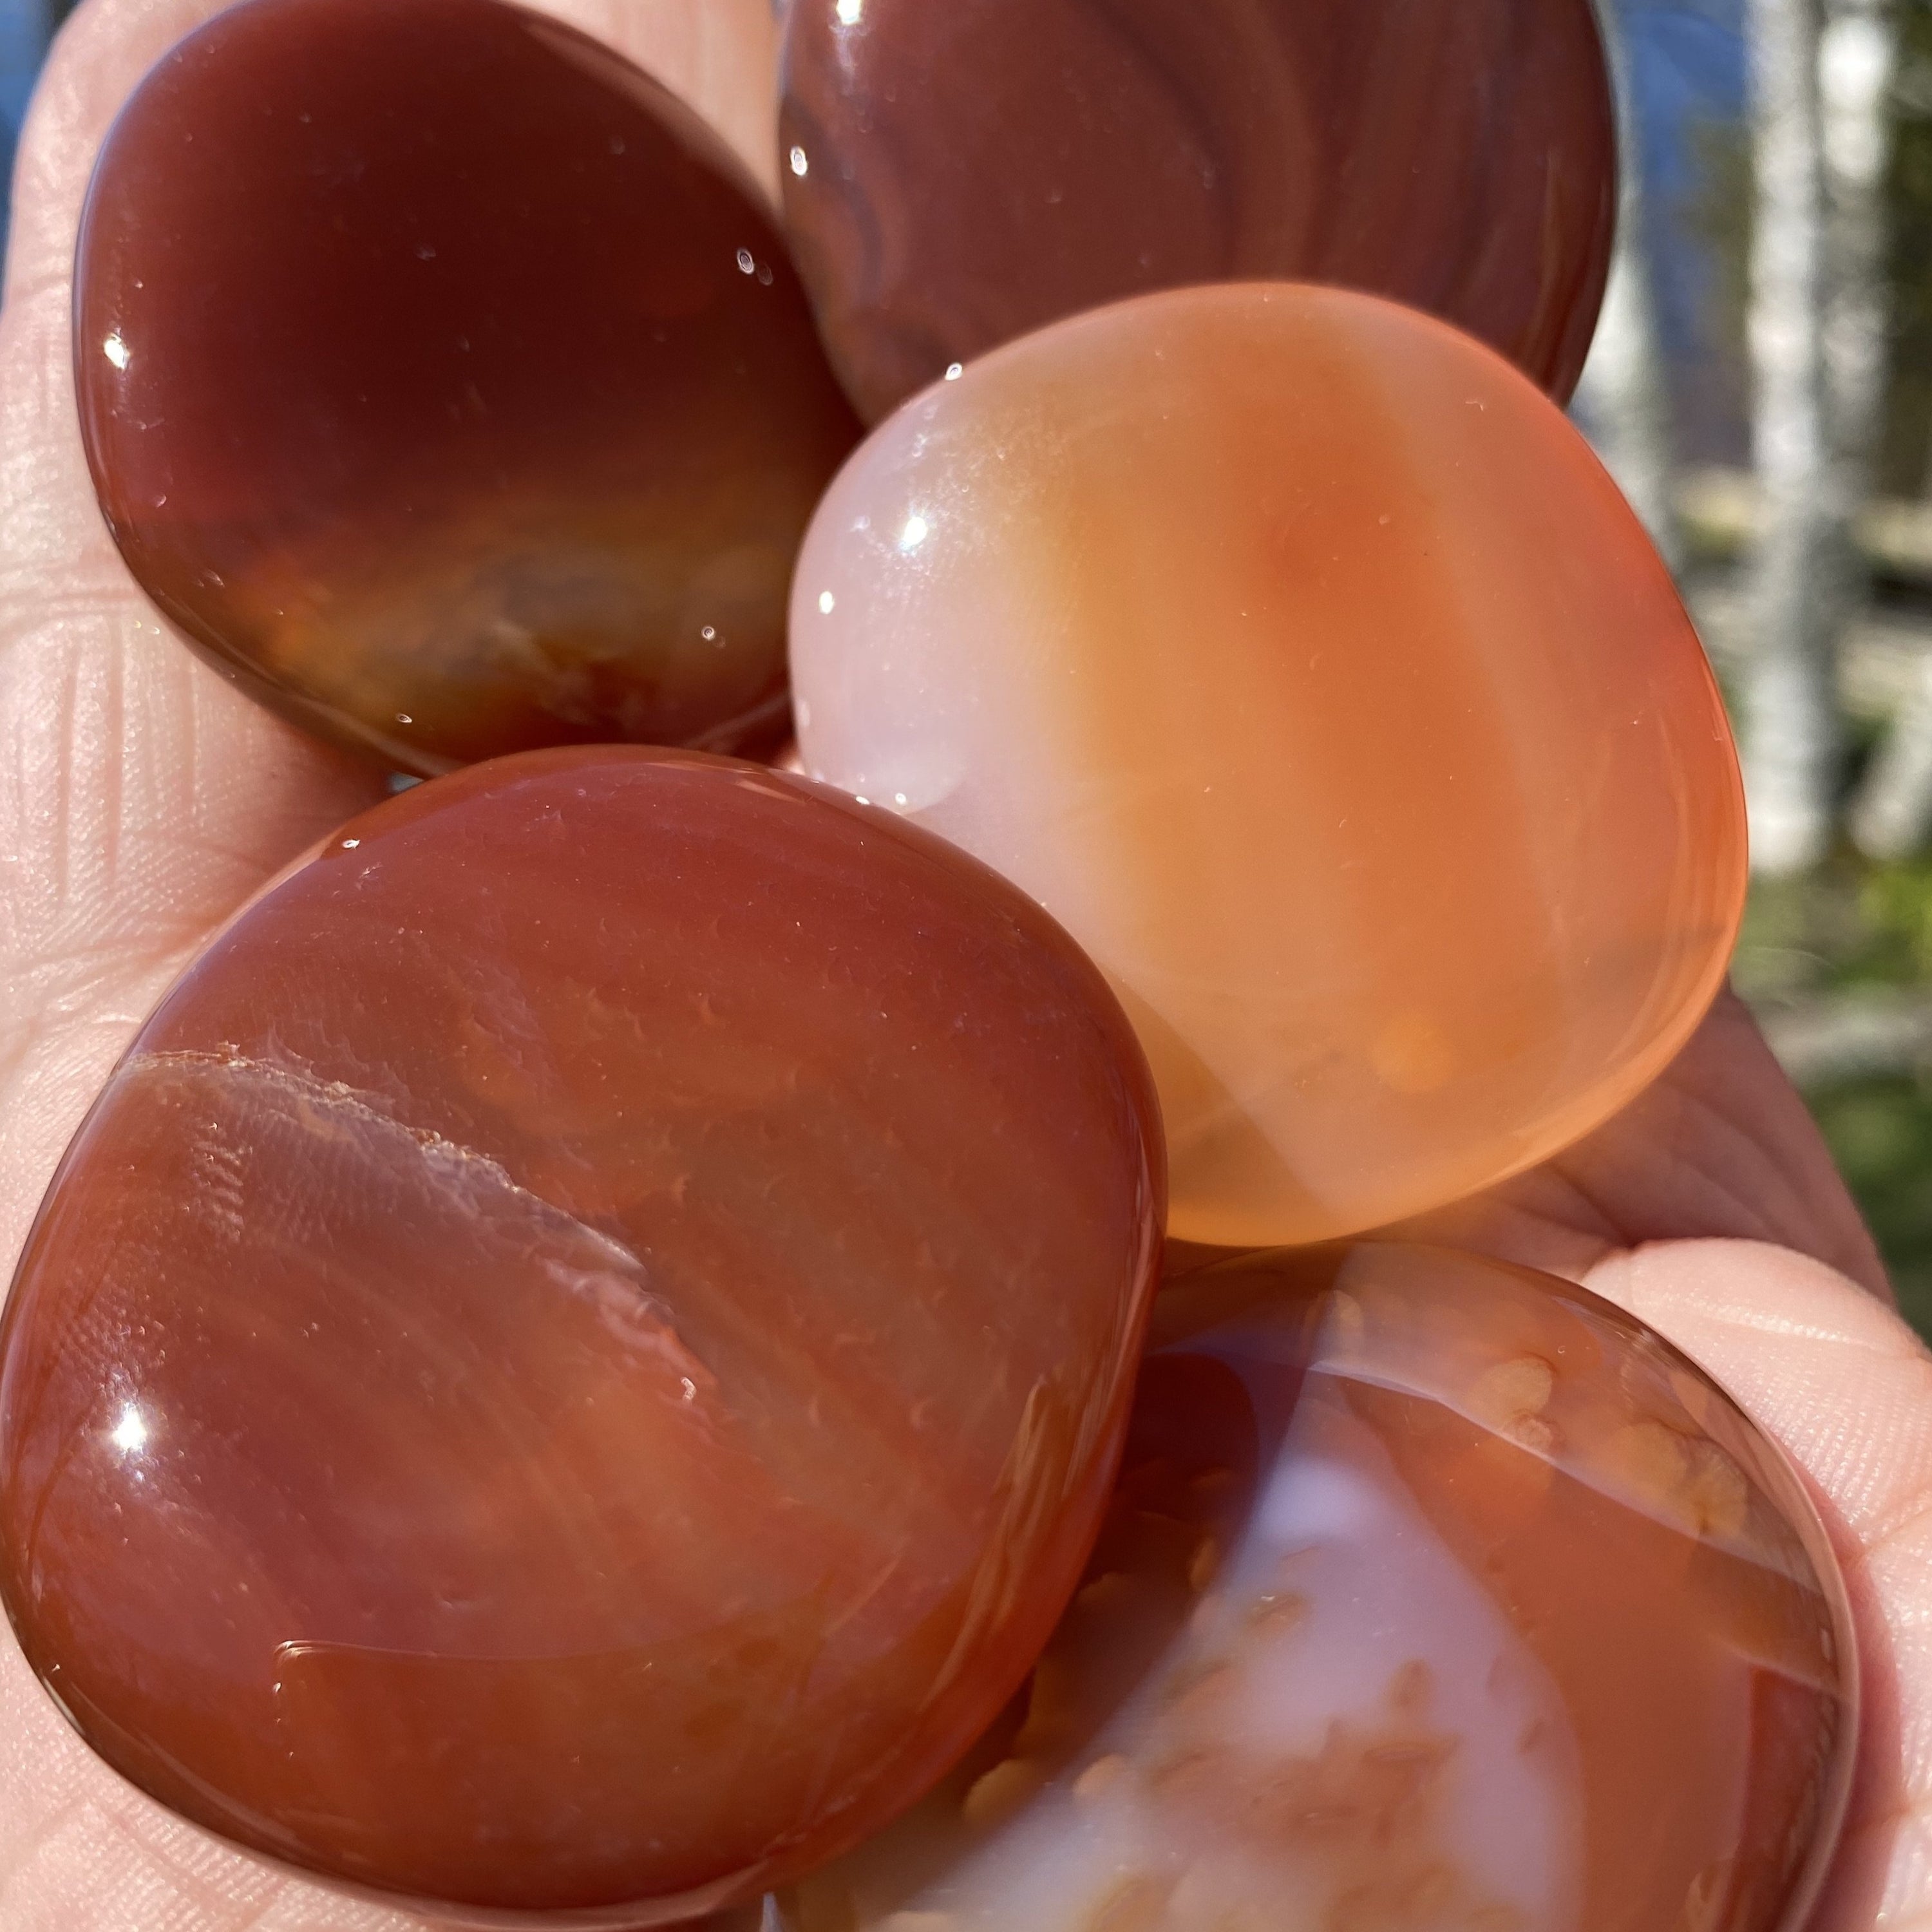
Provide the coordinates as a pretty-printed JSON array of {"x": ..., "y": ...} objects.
[{"x": 1295, "y": 652}]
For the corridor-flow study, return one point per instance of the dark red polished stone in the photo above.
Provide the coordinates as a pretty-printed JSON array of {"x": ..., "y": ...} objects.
[
  {"x": 580, "y": 1355},
  {"x": 448, "y": 383},
  {"x": 956, "y": 174}
]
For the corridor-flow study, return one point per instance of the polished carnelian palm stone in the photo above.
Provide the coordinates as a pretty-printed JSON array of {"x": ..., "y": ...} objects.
[
  {"x": 447, "y": 383},
  {"x": 1436, "y": 1596},
  {"x": 958, "y": 172},
  {"x": 580, "y": 1355},
  {"x": 1296, "y": 653}
]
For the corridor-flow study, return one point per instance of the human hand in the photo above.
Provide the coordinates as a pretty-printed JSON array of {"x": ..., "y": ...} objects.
[{"x": 141, "y": 800}]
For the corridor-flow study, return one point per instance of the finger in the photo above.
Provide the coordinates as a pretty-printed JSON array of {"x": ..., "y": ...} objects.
[
  {"x": 1841, "y": 1383},
  {"x": 141, "y": 800},
  {"x": 1723, "y": 1145}
]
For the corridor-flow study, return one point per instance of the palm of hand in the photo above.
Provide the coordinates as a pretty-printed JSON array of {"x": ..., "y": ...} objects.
[{"x": 141, "y": 800}]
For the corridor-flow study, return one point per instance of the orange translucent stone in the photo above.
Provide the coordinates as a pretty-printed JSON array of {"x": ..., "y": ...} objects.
[
  {"x": 447, "y": 383},
  {"x": 958, "y": 172},
  {"x": 1436, "y": 1596},
  {"x": 1294, "y": 651},
  {"x": 579, "y": 1356}
]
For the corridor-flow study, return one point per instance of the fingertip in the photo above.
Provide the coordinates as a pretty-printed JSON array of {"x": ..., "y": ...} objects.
[
  {"x": 1829, "y": 1371},
  {"x": 1755, "y": 1284},
  {"x": 1844, "y": 1387}
]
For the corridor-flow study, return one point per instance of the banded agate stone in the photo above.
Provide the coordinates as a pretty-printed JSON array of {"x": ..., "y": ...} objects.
[
  {"x": 1436, "y": 1596},
  {"x": 577, "y": 1361},
  {"x": 957, "y": 174},
  {"x": 447, "y": 383},
  {"x": 1298, "y": 655}
]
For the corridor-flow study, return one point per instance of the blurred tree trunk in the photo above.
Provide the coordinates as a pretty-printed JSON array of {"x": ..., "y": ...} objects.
[
  {"x": 1621, "y": 397},
  {"x": 1858, "y": 57},
  {"x": 1791, "y": 736},
  {"x": 1890, "y": 815}
]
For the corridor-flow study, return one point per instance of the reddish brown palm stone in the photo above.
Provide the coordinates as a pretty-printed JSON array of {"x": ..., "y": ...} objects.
[
  {"x": 448, "y": 383},
  {"x": 580, "y": 1353},
  {"x": 1436, "y": 1596},
  {"x": 1301, "y": 657},
  {"x": 958, "y": 172}
]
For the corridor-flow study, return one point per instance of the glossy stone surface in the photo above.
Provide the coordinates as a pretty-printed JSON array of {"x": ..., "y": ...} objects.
[
  {"x": 581, "y": 1355},
  {"x": 1437, "y": 1596},
  {"x": 1296, "y": 654},
  {"x": 446, "y": 382},
  {"x": 956, "y": 175}
]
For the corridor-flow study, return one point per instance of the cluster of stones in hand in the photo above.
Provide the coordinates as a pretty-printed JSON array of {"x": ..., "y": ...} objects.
[{"x": 577, "y": 1362}]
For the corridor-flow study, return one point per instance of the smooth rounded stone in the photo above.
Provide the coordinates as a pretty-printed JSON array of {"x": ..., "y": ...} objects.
[
  {"x": 956, "y": 175},
  {"x": 446, "y": 382},
  {"x": 579, "y": 1356},
  {"x": 1296, "y": 654},
  {"x": 1436, "y": 1596}
]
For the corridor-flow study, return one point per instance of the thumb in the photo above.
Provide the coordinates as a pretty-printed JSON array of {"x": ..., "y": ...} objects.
[{"x": 1841, "y": 1382}]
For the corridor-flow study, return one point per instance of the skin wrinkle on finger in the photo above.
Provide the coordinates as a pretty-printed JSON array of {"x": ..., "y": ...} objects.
[
  {"x": 1720, "y": 1146},
  {"x": 92, "y": 1851},
  {"x": 120, "y": 843},
  {"x": 141, "y": 800},
  {"x": 1723, "y": 1146},
  {"x": 1773, "y": 1327},
  {"x": 53, "y": 551},
  {"x": 1887, "y": 1840},
  {"x": 1780, "y": 1159},
  {"x": 93, "y": 1854},
  {"x": 148, "y": 836}
]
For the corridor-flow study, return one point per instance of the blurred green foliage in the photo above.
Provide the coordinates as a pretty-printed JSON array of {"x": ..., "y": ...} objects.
[
  {"x": 1880, "y": 1128},
  {"x": 1849, "y": 924},
  {"x": 1853, "y": 928}
]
